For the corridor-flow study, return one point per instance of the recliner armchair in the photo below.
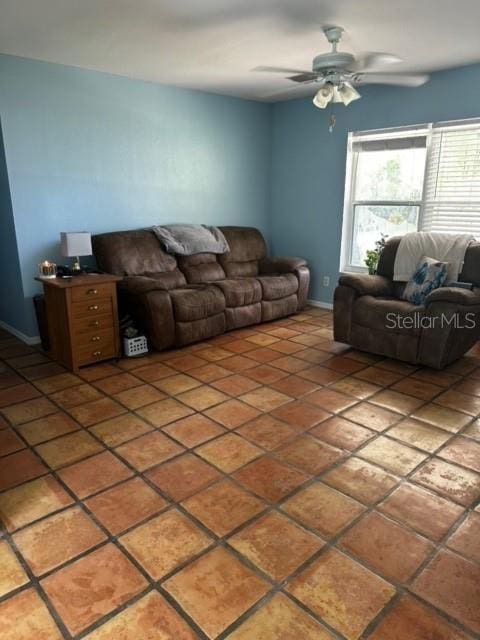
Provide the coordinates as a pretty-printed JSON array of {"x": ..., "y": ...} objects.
[{"x": 370, "y": 314}]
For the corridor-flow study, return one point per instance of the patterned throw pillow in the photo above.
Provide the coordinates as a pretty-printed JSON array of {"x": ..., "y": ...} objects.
[{"x": 429, "y": 274}]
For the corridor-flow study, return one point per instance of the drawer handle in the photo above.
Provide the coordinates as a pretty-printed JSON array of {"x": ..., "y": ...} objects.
[
  {"x": 95, "y": 338},
  {"x": 95, "y": 323},
  {"x": 97, "y": 353},
  {"x": 93, "y": 307},
  {"x": 92, "y": 292}
]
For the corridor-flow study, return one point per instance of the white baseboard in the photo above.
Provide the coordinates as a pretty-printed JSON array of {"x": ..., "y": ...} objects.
[
  {"x": 320, "y": 304},
  {"x": 18, "y": 334}
]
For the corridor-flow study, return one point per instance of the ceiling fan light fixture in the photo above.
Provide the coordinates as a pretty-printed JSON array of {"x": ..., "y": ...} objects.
[
  {"x": 346, "y": 93},
  {"x": 324, "y": 96}
]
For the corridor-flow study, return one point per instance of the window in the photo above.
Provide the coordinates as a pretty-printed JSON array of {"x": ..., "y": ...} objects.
[{"x": 423, "y": 178}]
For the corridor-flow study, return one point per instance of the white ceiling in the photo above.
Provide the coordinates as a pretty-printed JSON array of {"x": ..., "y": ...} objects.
[{"x": 214, "y": 44}]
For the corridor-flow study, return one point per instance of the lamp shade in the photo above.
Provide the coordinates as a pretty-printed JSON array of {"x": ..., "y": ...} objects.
[
  {"x": 75, "y": 243},
  {"x": 324, "y": 96}
]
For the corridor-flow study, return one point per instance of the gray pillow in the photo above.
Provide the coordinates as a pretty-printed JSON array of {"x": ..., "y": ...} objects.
[{"x": 189, "y": 239}]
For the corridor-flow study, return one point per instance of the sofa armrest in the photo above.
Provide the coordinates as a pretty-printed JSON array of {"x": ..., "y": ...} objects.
[
  {"x": 454, "y": 295},
  {"x": 134, "y": 285},
  {"x": 281, "y": 265},
  {"x": 366, "y": 285}
]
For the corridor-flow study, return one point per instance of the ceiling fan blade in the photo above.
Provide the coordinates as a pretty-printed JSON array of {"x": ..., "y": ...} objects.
[
  {"x": 373, "y": 60},
  {"x": 400, "y": 79},
  {"x": 285, "y": 71},
  {"x": 299, "y": 90}
]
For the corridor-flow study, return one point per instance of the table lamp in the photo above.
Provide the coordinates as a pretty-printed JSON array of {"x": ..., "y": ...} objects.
[{"x": 75, "y": 244}]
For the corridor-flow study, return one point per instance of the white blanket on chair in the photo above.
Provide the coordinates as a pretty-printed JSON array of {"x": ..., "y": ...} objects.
[{"x": 444, "y": 247}]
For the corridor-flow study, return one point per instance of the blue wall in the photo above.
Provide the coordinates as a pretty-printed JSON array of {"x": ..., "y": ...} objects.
[
  {"x": 97, "y": 152},
  {"x": 308, "y": 162}
]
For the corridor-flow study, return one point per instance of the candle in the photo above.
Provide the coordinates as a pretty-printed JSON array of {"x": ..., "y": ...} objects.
[{"x": 47, "y": 269}]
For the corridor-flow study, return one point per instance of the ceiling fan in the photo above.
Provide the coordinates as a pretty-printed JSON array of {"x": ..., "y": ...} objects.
[{"x": 336, "y": 73}]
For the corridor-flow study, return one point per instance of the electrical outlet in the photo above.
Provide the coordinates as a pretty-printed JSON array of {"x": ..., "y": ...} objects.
[{"x": 326, "y": 281}]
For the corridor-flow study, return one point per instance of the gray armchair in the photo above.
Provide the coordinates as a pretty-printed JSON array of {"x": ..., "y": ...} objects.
[{"x": 370, "y": 314}]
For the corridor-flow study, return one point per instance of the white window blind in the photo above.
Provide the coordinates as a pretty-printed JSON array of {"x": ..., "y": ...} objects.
[{"x": 451, "y": 200}]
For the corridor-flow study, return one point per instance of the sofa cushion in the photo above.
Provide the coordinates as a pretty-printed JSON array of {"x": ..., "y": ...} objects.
[
  {"x": 201, "y": 267},
  {"x": 168, "y": 279},
  {"x": 196, "y": 302},
  {"x": 280, "y": 286},
  {"x": 247, "y": 248},
  {"x": 240, "y": 291},
  {"x": 387, "y": 314}
]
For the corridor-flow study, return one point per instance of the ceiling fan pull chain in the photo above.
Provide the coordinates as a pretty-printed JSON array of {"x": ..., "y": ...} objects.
[{"x": 332, "y": 122}]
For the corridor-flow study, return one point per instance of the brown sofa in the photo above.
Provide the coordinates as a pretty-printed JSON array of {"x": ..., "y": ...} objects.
[
  {"x": 179, "y": 300},
  {"x": 426, "y": 334}
]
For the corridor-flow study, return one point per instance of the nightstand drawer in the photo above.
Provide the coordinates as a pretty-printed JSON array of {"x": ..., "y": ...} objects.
[
  {"x": 96, "y": 354},
  {"x": 91, "y": 292},
  {"x": 94, "y": 338},
  {"x": 88, "y": 324},
  {"x": 91, "y": 308}
]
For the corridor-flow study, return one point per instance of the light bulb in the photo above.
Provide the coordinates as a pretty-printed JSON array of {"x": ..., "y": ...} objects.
[
  {"x": 346, "y": 93},
  {"x": 324, "y": 95}
]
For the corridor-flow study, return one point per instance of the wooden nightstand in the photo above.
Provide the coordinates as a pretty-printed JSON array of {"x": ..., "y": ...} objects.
[{"x": 82, "y": 318}]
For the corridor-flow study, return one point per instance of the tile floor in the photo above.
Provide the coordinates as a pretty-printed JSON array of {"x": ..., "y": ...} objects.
[{"x": 269, "y": 484}]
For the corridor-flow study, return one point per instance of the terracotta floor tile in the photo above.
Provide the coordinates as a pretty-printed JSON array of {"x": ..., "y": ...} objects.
[
  {"x": 149, "y": 450},
  {"x": 417, "y": 388},
  {"x": 361, "y": 480},
  {"x": 118, "y": 383},
  {"x": 125, "y": 505},
  {"x": 392, "y": 455},
  {"x": 387, "y": 547},
  {"x": 238, "y": 363},
  {"x": 344, "y": 365},
  {"x": 441, "y": 378},
  {"x": 452, "y": 584},
  {"x": 19, "y": 467},
  {"x": 473, "y": 430},
  {"x": 96, "y": 411},
  {"x": 391, "y": 364},
  {"x": 94, "y": 474},
  {"x": 235, "y": 384},
  {"x": 193, "y": 430},
  {"x": 267, "y": 432},
  {"x": 12, "y": 574},
  {"x": 98, "y": 371},
  {"x": 330, "y": 400},
  {"x": 29, "y": 410},
  {"x": 342, "y": 433},
  {"x": 469, "y": 386},
  {"x": 182, "y": 477},
  {"x": 265, "y": 374},
  {"x": 153, "y": 372},
  {"x": 173, "y": 385},
  {"x": 262, "y": 339},
  {"x": 442, "y": 417},
  {"x": 371, "y": 416},
  {"x": 48, "y": 427},
  {"x": 8, "y": 378},
  {"x": 18, "y": 393},
  {"x": 300, "y": 414},
  {"x": 290, "y": 364},
  {"x": 139, "y": 396},
  {"x": 282, "y": 332},
  {"x": 320, "y": 375},
  {"x": 185, "y": 362},
  {"x": 325, "y": 587},
  {"x": 56, "y": 539},
  {"x": 232, "y": 414},
  {"x": 294, "y": 386},
  {"x": 58, "y": 382},
  {"x": 359, "y": 389},
  {"x": 165, "y": 411},
  {"x": 42, "y": 370},
  {"x": 462, "y": 451},
  {"x": 9, "y": 442},
  {"x": 395, "y": 401},
  {"x": 458, "y": 401},
  {"x": 409, "y": 619},
  {"x": 151, "y": 618},
  {"x": 229, "y": 452},
  {"x": 73, "y": 396},
  {"x": 309, "y": 454},
  {"x": 455, "y": 483},
  {"x": 210, "y": 372},
  {"x": 315, "y": 356},
  {"x": 202, "y": 397},
  {"x": 466, "y": 539},
  {"x": 223, "y": 507},
  {"x": 378, "y": 376},
  {"x": 270, "y": 478},
  {"x": 240, "y": 346},
  {"x": 323, "y": 509},
  {"x": 265, "y": 399},
  {"x": 425, "y": 512},
  {"x": 215, "y": 590},
  {"x": 214, "y": 354},
  {"x": 264, "y": 543},
  {"x": 419, "y": 434},
  {"x": 165, "y": 542},
  {"x": 120, "y": 429},
  {"x": 91, "y": 587},
  {"x": 25, "y": 616},
  {"x": 280, "y": 619},
  {"x": 68, "y": 449}
]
